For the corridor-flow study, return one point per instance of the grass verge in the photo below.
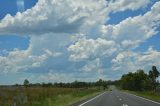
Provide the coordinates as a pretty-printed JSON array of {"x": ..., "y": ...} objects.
[
  {"x": 146, "y": 94},
  {"x": 66, "y": 100},
  {"x": 43, "y": 96}
]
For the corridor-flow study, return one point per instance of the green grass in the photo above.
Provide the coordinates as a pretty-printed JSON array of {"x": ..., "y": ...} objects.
[
  {"x": 40, "y": 96},
  {"x": 65, "y": 100},
  {"x": 146, "y": 94}
]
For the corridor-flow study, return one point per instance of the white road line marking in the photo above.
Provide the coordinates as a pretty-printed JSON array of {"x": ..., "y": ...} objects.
[
  {"x": 91, "y": 99},
  {"x": 125, "y": 105},
  {"x": 120, "y": 99},
  {"x": 144, "y": 98}
]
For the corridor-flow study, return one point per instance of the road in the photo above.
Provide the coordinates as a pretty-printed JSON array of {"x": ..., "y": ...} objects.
[{"x": 117, "y": 98}]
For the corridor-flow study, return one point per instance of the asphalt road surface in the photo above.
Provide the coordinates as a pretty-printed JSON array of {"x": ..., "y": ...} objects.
[{"x": 117, "y": 98}]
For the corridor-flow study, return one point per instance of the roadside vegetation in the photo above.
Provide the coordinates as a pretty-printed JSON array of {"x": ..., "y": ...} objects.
[
  {"x": 48, "y": 94},
  {"x": 141, "y": 83}
]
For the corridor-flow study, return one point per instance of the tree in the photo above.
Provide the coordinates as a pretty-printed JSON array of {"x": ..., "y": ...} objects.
[
  {"x": 101, "y": 83},
  {"x": 142, "y": 80},
  {"x": 26, "y": 83},
  {"x": 138, "y": 81},
  {"x": 153, "y": 75}
]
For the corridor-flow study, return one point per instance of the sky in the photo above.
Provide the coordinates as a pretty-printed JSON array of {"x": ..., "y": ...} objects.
[{"x": 84, "y": 40}]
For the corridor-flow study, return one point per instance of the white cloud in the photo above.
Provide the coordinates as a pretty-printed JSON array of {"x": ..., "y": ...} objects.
[
  {"x": 51, "y": 23},
  {"x": 55, "y": 76},
  {"x": 94, "y": 65},
  {"x": 90, "y": 48},
  {"x": 3, "y": 52},
  {"x": 22, "y": 60},
  {"x": 122, "y": 5},
  {"x": 54, "y": 54},
  {"x": 128, "y": 34},
  {"x": 55, "y": 16},
  {"x": 51, "y": 76},
  {"x": 58, "y": 16},
  {"x": 133, "y": 31},
  {"x": 12, "y": 62},
  {"x": 131, "y": 61}
]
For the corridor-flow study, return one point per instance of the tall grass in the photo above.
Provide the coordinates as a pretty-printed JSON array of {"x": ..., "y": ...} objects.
[{"x": 41, "y": 96}]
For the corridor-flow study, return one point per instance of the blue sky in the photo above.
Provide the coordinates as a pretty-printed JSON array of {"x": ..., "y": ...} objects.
[
  {"x": 9, "y": 42},
  {"x": 52, "y": 41}
]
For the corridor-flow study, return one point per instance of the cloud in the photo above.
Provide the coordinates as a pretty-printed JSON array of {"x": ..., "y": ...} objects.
[
  {"x": 94, "y": 65},
  {"x": 56, "y": 51},
  {"x": 131, "y": 61},
  {"x": 69, "y": 16},
  {"x": 122, "y": 5},
  {"x": 128, "y": 34},
  {"x": 55, "y": 16},
  {"x": 134, "y": 30},
  {"x": 54, "y": 76},
  {"x": 3, "y": 52},
  {"x": 22, "y": 60},
  {"x": 90, "y": 48}
]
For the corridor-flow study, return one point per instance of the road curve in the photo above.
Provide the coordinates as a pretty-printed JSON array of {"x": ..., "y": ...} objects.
[{"x": 117, "y": 98}]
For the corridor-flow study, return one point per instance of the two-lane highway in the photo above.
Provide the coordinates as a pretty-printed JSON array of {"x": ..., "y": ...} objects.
[{"x": 117, "y": 98}]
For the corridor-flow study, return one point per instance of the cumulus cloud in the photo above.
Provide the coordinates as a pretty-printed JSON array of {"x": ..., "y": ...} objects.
[
  {"x": 55, "y": 16},
  {"x": 22, "y": 60},
  {"x": 57, "y": 77},
  {"x": 51, "y": 25},
  {"x": 58, "y": 16},
  {"x": 90, "y": 48},
  {"x": 54, "y": 76},
  {"x": 128, "y": 34},
  {"x": 122, "y": 5},
  {"x": 131, "y": 61},
  {"x": 134, "y": 30},
  {"x": 94, "y": 65}
]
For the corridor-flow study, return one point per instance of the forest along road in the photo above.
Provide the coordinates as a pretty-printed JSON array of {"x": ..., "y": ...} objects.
[{"x": 117, "y": 98}]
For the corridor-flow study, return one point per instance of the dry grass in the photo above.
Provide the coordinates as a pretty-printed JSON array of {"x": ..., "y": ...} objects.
[{"x": 41, "y": 96}]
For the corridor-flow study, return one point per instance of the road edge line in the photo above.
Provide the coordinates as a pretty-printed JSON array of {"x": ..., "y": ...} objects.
[
  {"x": 143, "y": 98},
  {"x": 91, "y": 99}
]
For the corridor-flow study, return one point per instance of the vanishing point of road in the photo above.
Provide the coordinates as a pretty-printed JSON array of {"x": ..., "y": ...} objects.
[{"x": 117, "y": 98}]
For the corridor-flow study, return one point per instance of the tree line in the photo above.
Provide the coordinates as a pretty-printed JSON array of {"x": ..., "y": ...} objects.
[
  {"x": 135, "y": 81},
  {"x": 76, "y": 84},
  {"x": 140, "y": 81}
]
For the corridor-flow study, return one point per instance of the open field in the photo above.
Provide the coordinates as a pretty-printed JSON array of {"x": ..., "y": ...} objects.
[{"x": 43, "y": 96}]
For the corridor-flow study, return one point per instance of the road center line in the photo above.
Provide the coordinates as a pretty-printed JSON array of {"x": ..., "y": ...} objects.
[{"x": 91, "y": 99}]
